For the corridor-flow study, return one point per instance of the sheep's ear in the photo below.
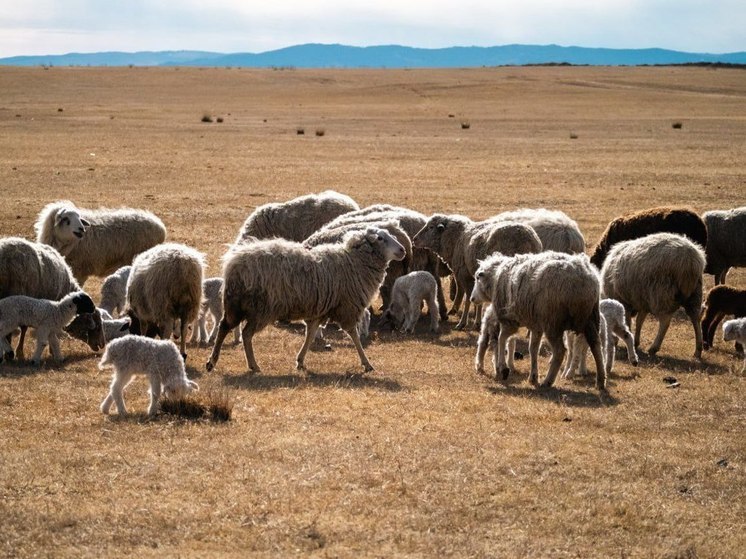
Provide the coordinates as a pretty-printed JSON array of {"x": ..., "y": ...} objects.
[
  {"x": 125, "y": 327},
  {"x": 85, "y": 222},
  {"x": 61, "y": 219}
]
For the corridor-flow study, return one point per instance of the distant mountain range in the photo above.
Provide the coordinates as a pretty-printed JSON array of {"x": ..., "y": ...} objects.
[{"x": 387, "y": 56}]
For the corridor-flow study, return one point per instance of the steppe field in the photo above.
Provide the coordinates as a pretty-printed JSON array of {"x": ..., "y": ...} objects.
[{"x": 423, "y": 457}]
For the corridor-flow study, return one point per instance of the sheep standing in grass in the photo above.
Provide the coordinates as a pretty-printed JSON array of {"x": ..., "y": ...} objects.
[
  {"x": 295, "y": 219},
  {"x": 613, "y": 326},
  {"x": 165, "y": 284},
  {"x": 726, "y": 241},
  {"x": 277, "y": 279},
  {"x": 656, "y": 275},
  {"x": 682, "y": 221},
  {"x": 158, "y": 359},
  {"x": 549, "y": 293},
  {"x": 114, "y": 291},
  {"x": 555, "y": 229},
  {"x": 212, "y": 304},
  {"x": 406, "y": 301},
  {"x": 721, "y": 301},
  {"x": 735, "y": 330},
  {"x": 97, "y": 242},
  {"x": 47, "y": 317}
]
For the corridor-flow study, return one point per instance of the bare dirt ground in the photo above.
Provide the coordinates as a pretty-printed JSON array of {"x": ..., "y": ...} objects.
[{"x": 423, "y": 457}]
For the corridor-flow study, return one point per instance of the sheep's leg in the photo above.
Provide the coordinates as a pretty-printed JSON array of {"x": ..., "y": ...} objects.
[
  {"x": 499, "y": 356},
  {"x": 311, "y": 327},
  {"x": 116, "y": 393},
  {"x": 558, "y": 355},
  {"x": 412, "y": 314},
  {"x": 352, "y": 331},
  {"x": 595, "y": 346},
  {"x": 21, "y": 341},
  {"x": 573, "y": 348},
  {"x": 41, "y": 343},
  {"x": 511, "y": 352},
  {"x": 248, "y": 346},
  {"x": 710, "y": 322},
  {"x": 54, "y": 347},
  {"x": 106, "y": 404},
  {"x": 223, "y": 330},
  {"x": 629, "y": 341},
  {"x": 155, "y": 394},
  {"x": 183, "y": 336},
  {"x": 663, "y": 323},
  {"x": 720, "y": 277},
  {"x": 432, "y": 307},
  {"x": 533, "y": 349},
  {"x": 457, "y": 299},
  {"x": 638, "y": 326},
  {"x": 693, "y": 314},
  {"x": 482, "y": 345}
]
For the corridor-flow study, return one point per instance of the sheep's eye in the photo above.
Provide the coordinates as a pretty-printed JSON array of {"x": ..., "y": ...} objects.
[{"x": 380, "y": 239}]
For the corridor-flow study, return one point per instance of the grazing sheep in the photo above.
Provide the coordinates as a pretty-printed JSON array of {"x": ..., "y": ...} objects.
[
  {"x": 646, "y": 222},
  {"x": 39, "y": 271},
  {"x": 613, "y": 326},
  {"x": 165, "y": 284},
  {"x": 461, "y": 243},
  {"x": 656, "y": 275},
  {"x": 281, "y": 280},
  {"x": 296, "y": 219},
  {"x": 158, "y": 359},
  {"x": 114, "y": 291},
  {"x": 735, "y": 330},
  {"x": 721, "y": 301},
  {"x": 97, "y": 242},
  {"x": 549, "y": 293},
  {"x": 212, "y": 304},
  {"x": 81, "y": 328},
  {"x": 47, "y": 317},
  {"x": 406, "y": 301},
  {"x": 726, "y": 241},
  {"x": 555, "y": 229}
]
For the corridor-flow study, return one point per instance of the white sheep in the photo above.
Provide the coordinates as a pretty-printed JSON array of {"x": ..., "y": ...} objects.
[
  {"x": 555, "y": 229},
  {"x": 726, "y": 241},
  {"x": 549, "y": 293},
  {"x": 39, "y": 271},
  {"x": 47, "y": 317},
  {"x": 613, "y": 326},
  {"x": 158, "y": 359},
  {"x": 165, "y": 285},
  {"x": 277, "y": 279},
  {"x": 97, "y": 242},
  {"x": 656, "y": 275},
  {"x": 488, "y": 334},
  {"x": 295, "y": 219},
  {"x": 407, "y": 296},
  {"x": 735, "y": 330},
  {"x": 114, "y": 291},
  {"x": 212, "y": 304}
]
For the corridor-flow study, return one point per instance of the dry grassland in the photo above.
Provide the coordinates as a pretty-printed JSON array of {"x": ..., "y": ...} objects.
[{"x": 423, "y": 457}]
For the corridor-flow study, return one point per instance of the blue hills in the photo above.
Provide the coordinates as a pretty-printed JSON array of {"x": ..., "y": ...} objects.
[{"x": 386, "y": 56}]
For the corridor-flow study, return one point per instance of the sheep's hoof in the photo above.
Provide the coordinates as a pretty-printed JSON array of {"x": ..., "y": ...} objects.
[
  {"x": 505, "y": 372},
  {"x": 209, "y": 366},
  {"x": 300, "y": 366},
  {"x": 705, "y": 345},
  {"x": 368, "y": 368},
  {"x": 652, "y": 351},
  {"x": 517, "y": 355},
  {"x": 635, "y": 363},
  {"x": 534, "y": 380},
  {"x": 459, "y": 326}
]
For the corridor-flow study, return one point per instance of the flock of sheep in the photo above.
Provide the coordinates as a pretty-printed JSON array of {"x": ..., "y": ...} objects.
[{"x": 321, "y": 258}]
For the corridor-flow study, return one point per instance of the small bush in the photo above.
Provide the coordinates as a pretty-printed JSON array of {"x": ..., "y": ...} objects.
[
  {"x": 465, "y": 125},
  {"x": 300, "y": 131},
  {"x": 206, "y": 118},
  {"x": 216, "y": 404},
  {"x": 60, "y": 110},
  {"x": 451, "y": 115},
  {"x": 676, "y": 125},
  {"x": 320, "y": 132},
  {"x": 219, "y": 119},
  {"x": 573, "y": 136}
]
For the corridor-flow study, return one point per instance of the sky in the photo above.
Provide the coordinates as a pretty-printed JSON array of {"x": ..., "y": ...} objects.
[{"x": 32, "y": 27}]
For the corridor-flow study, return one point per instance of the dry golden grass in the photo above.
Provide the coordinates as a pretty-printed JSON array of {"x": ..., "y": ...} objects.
[{"x": 422, "y": 457}]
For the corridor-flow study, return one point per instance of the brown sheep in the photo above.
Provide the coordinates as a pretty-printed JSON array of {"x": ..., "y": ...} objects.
[{"x": 722, "y": 301}]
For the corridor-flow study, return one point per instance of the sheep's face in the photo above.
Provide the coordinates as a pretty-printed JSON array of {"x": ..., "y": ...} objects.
[
  {"x": 393, "y": 316},
  {"x": 732, "y": 329},
  {"x": 389, "y": 247},
  {"x": 88, "y": 328},
  {"x": 180, "y": 389},
  {"x": 429, "y": 236},
  {"x": 69, "y": 226},
  {"x": 480, "y": 293}
]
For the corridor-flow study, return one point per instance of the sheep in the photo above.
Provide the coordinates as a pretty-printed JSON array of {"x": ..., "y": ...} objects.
[
  {"x": 613, "y": 325},
  {"x": 549, "y": 293},
  {"x": 726, "y": 241},
  {"x": 555, "y": 229},
  {"x": 721, "y": 301},
  {"x": 114, "y": 291},
  {"x": 212, "y": 303},
  {"x": 406, "y": 301},
  {"x": 47, "y": 317},
  {"x": 97, "y": 242},
  {"x": 165, "y": 284},
  {"x": 40, "y": 271},
  {"x": 158, "y": 359},
  {"x": 111, "y": 328},
  {"x": 665, "y": 219},
  {"x": 735, "y": 330},
  {"x": 296, "y": 219},
  {"x": 656, "y": 275},
  {"x": 281, "y": 280},
  {"x": 461, "y": 242}
]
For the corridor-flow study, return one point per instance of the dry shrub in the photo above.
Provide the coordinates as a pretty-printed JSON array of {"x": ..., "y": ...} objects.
[
  {"x": 206, "y": 118},
  {"x": 300, "y": 131},
  {"x": 320, "y": 132},
  {"x": 676, "y": 126},
  {"x": 214, "y": 404},
  {"x": 465, "y": 125}
]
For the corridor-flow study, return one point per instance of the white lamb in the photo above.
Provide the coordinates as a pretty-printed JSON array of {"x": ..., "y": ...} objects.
[
  {"x": 212, "y": 304},
  {"x": 735, "y": 330},
  {"x": 49, "y": 318},
  {"x": 407, "y": 295},
  {"x": 158, "y": 359},
  {"x": 114, "y": 291}
]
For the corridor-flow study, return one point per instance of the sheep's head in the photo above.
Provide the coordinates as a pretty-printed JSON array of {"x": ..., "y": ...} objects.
[
  {"x": 383, "y": 242},
  {"x": 393, "y": 317},
  {"x": 430, "y": 236},
  {"x": 68, "y": 225},
  {"x": 88, "y": 328},
  {"x": 83, "y": 303},
  {"x": 484, "y": 278},
  {"x": 179, "y": 389},
  {"x": 733, "y": 329}
]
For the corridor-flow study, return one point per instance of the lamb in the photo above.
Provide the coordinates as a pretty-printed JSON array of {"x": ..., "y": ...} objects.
[
  {"x": 81, "y": 327},
  {"x": 212, "y": 303},
  {"x": 735, "y": 330},
  {"x": 406, "y": 301},
  {"x": 280, "y": 280},
  {"x": 158, "y": 359},
  {"x": 722, "y": 301},
  {"x": 461, "y": 242},
  {"x": 517, "y": 288},
  {"x": 726, "y": 241},
  {"x": 555, "y": 229},
  {"x": 613, "y": 326},
  {"x": 114, "y": 291},
  {"x": 665, "y": 219},
  {"x": 165, "y": 284},
  {"x": 97, "y": 242},
  {"x": 46, "y": 316},
  {"x": 656, "y": 275},
  {"x": 39, "y": 271},
  {"x": 295, "y": 219}
]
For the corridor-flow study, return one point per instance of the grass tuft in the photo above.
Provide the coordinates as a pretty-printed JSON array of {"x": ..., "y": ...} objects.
[
  {"x": 676, "y": 126},
  {"x": 206, "y": 118}
]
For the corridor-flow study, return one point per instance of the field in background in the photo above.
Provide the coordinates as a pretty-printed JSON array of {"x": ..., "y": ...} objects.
[{"x": 422, "y": 457}]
